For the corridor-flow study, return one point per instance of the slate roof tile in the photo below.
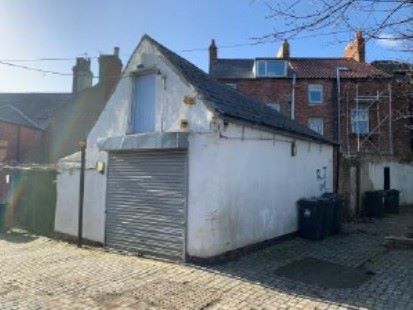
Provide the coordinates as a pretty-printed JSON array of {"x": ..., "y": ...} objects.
[
  {"x": 38, "y": 108},
  {"x": 231, "y": 103},
  {"x": 322, "y": 68}
]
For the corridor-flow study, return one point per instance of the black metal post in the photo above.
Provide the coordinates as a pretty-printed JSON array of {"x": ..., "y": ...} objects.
[
  {"x": 337, "y": 185},
  {"x": 82, "y": 146},
  {"x": 358, "y": 184}
]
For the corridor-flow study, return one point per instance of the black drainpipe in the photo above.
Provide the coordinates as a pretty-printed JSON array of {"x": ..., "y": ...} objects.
[
  {"x": 358, "y": 177},
  {"x": 337, "y": 168}
]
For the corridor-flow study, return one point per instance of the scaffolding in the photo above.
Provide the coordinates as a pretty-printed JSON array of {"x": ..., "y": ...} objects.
[{"x": 366, "y": 108}]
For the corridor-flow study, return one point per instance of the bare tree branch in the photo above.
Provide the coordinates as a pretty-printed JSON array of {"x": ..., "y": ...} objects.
[{"x": 378, "y": 19}]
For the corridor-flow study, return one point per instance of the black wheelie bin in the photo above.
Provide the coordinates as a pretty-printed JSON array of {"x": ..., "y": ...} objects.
[{"x": 311, "y": 218}]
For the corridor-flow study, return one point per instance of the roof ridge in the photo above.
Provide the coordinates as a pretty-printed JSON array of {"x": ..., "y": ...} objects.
[
  {"x": 208, "y": 76},
  {"x": 27, "y": 118},
  {"x": 231, "y": 103},
  {"x": 235, "y": 59},
  {"x": 22, "y": 114}
]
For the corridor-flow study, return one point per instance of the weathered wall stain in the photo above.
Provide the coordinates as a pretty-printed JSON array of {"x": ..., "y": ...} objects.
[{"x": 321, "y": 175}]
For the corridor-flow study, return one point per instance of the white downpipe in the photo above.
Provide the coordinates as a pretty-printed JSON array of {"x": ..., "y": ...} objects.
[{"x": 293, "y": 97}]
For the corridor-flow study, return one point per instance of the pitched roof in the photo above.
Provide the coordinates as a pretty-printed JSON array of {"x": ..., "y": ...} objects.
[
  {"x": 400, "y": 71},
  {"x": 11, "y": 114},
  {"x": 34, "y": 109},
  {"x": 230, "y": 103},
  {"x": 323, "y": 68}
]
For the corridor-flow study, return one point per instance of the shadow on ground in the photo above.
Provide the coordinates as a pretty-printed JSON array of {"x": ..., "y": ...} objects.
[
  {"x": 17, "y": 236},
  {"x": 352, "y": 269}
]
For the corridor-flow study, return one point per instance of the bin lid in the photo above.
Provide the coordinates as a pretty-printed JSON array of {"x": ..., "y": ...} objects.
[
  {"x": 376, "y": 192},
  {"x": 393, "y": 191}
]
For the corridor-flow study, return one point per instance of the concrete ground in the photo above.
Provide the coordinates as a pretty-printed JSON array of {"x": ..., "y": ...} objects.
[{"x": 40, "y": 273}]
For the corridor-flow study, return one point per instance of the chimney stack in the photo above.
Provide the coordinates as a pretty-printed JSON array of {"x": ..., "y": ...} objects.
[
  {"x": 110, "y": 68},
  {"x": 213, "y": 53},
  {"x": 284, "y": 50},
  {"x": 356, "y": 48},
  {"x": 82, "y": 76}
]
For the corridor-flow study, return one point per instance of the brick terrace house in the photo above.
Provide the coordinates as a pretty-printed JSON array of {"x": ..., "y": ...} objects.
[
  {"x": 345, "y": 99},
  {"x": 23, "y": 120},
  {"x": 40, "y": 128},
  {"x": 402, "y": 88},
  {"x": 306, "y": 89},
  {"x": 43, "y": 127}
]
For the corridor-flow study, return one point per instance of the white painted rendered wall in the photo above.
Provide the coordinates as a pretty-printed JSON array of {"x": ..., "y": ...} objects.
[
  {"x": 401, "y": 178},
  {"x": 115, "y": 121},
  {"x": 67, "y": 201},
  {"x": 240, "y": 192},
  {"x": 245, "y": 191}
]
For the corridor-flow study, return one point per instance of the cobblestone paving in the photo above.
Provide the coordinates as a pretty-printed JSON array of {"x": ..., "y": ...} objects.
[{"x": 40, "y": 273}]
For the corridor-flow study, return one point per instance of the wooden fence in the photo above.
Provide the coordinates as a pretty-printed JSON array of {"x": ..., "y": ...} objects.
[{"x": 31, "y": 200}]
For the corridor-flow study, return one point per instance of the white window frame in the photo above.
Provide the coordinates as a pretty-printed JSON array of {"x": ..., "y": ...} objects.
[
  {"x": 267, "y": 74},
  {"x": 315, "y": 87},
  {"x": 233, "y": 85},
  {"x": 355, "y": 118},
  {"x": 312, "y": 120},
  {"x": 148, "y": 119}
]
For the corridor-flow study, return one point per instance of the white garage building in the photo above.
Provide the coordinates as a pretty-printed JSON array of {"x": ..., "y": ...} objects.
[{"x": 193, "y": 167}]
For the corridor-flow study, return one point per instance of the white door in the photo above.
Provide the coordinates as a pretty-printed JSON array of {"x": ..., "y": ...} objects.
[{"x": 144, "y": 104}]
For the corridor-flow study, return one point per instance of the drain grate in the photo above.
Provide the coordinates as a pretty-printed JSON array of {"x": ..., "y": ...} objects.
[{"x": 314, "y": 271}]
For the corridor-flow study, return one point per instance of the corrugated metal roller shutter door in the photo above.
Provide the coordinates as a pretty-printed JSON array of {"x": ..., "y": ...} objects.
[{"x": 145, "y": 208}]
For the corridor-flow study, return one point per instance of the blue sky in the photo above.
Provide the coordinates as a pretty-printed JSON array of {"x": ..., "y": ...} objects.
[{"x": 58, "y": 28}]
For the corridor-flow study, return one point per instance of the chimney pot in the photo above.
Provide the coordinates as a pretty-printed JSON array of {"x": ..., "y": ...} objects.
[
  {"x": 110, "y": 67},
  {"x": 356, "y": 49},
  {"x": 284, "y": 50},
  {"x": 82, "y": 76},
  {"x": 213, "y": 53}
]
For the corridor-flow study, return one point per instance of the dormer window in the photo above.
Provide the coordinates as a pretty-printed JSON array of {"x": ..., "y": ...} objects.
[{"x": 270, "y": 68}]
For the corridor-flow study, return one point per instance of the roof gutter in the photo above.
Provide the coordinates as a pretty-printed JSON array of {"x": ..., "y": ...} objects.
[{"x": 286, "y": 132}]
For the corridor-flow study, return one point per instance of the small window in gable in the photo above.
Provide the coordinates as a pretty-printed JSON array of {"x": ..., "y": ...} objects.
[
  {"x": 315, "y": 94},
  {"x": 316, "y": 124},
  {"x": 233, "y": 85},
  {"x": 144, "y": 103}
]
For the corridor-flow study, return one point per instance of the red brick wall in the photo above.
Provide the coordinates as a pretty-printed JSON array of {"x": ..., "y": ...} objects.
[
  {"x": 279, "y": 91},
  {"x": 23, "y": 142},
  {"x": 378, "y": 141},
  {"x": 8, "y": 132},
  {"x": 326, "y": 110},
  {"x": 110, "y": 67}
]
